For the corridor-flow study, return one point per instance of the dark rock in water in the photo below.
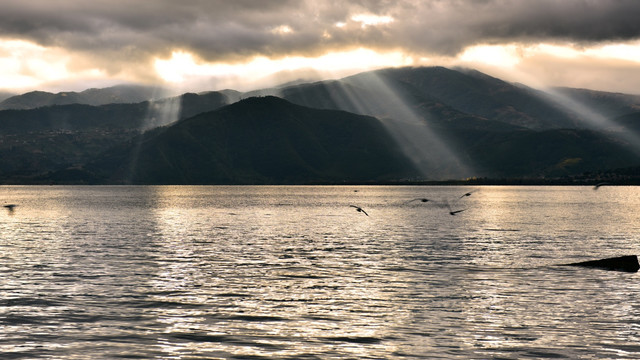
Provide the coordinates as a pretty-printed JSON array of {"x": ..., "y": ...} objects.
[{"x": 628, "y": 263}]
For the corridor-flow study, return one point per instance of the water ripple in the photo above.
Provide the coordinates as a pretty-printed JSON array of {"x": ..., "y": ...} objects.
[{"x": 291, "y": 273}]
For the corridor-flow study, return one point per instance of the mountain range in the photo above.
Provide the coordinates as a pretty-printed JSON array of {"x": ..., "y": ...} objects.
[
  {"x": 93, "y": 96},
  {"x": 264, "y": 140},
  {"x": 389, "y": 125}
]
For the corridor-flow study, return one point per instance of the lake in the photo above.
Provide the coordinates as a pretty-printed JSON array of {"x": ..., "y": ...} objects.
[{"x": 295, "y": 272}]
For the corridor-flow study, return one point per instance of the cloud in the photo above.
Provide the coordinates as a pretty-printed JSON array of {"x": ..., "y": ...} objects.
[
  {"x": 222, "y": 28},
  {"x": 124, "y": 38}
]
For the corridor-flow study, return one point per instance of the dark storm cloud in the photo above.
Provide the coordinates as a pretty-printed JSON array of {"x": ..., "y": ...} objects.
[
  {"x": 584, "y": 20},
  {"x": 113, "y": 33},
  {"x": 449, "y": 26}
]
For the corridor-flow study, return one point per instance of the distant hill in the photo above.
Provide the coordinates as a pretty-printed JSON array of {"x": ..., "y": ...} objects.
[
  {"x": 36, "y": 141},
  {"x": 193, "y": 104},
  {"x": 473, "y": 92},
  {"x": 606, "y": 104},
  {"x": 260, "y": 141},
  {"x": 427, "y": 123},
  {"x": 547, "y": 153},
  {"x": 267, "y": 140},
  {"x": 629, "y": 122},
  {"x": 480, "y": 116},
  {"x": 110, "y": 95},
  {"x": 465, "y": 91},
  {"x": 5, "y": 95},
  {"x": 72, "y": 118},
  {"x": 135, "y": 116}
]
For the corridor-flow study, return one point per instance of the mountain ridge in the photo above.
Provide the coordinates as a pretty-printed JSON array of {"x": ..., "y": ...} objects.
[
  {"x": 263, "y": 140},
  {"x": 419, "y": 107},
  {"x": 92, "y": 96}
]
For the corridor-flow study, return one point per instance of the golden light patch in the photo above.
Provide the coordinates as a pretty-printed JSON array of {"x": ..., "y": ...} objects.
[
  {"x": 182, "y": 66},
  {"x": 497, "y": 55},
  {"x": 26, "y": 65},
  {"x": 282, "y": 30},
  {"x": 371, "y": 20}
]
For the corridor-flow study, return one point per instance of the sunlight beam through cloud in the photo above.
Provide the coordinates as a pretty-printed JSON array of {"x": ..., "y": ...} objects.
[
  {"x": 24, "y": 65},
  {"x": 371, "y": 20},
  {"x": 371, "y": 94},
  {"x": 592, "y": 119},
  {"x": 182, "y": 67}
]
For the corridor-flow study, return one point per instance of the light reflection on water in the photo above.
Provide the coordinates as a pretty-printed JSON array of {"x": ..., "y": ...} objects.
[{"x": 294, "y": 272}]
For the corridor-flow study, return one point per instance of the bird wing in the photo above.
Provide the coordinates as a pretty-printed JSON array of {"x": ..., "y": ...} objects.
[
  {"x": 468, "y": 193},
  {"x": 359, "y": 209},
  {"x": 599, "y": 184}
]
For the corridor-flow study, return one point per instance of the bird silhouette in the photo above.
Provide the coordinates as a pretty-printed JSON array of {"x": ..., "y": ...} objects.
[
  {"x": 359, "y": 209},
  {"x": 453, "y": 212},
  {"x": 10, "y": 208},
  {"x": 597, "y": 186},
  {"x": 418, "y": 199},
  {"x": 467, "y": 194}
]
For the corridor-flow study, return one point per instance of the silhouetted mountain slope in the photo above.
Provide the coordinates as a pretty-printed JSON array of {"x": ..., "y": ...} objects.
[
  {"x": 481, "y": 95},
  {"x": 378, "y": 99},
  {"x": 451, "y": 123},
  {"x": 193, "y": 104},
  {"x": 36, "y": 141},
  {"x": 607, "y": 104},
  {"x": 137, "y": 116},
  {"x": 469, "y": 92},
  {"x": 5, "y": 95},
  {"x": 33, "y": 142},
  {"x": 547, "y": 153},
  {"x": 629, "y": 122},
  {"x": 232, "y": 95},
  {"x": 475, "y": 114},
  {"x": 110, "y": 95},
  {"x": 72, "y": 118},
  {"x": 337, "y": 95},
  {"x": 261, "y": 141}
]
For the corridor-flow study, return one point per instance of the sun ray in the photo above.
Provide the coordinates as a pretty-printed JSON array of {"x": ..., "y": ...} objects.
[
  {"x": 371, "y": 94},
  {"x": 182, "y": 67}
]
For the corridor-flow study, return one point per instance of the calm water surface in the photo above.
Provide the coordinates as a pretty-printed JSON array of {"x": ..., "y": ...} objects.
[{"x": 295, "y": 272}]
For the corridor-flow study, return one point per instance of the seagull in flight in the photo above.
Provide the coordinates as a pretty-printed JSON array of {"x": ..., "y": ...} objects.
[
  {"x": 10, "y": 207},
  {"x": 418, "y": 199},
  {"x": 359, "y": 209},
  {"x": 467, "y": 194},
  {"x": 597, "y": 186},
  {"x": 453, "y": 212}
]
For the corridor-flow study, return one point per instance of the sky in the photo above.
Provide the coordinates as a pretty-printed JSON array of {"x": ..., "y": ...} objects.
[{"x": 197, "y": 45}]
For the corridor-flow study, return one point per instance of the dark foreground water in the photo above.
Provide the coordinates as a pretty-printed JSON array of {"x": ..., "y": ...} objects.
[{"x": 296, "y": 273}]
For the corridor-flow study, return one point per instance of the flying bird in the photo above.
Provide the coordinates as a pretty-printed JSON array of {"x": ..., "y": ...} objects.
[
  {"x": 418, "y": 199},
  {"x": 597, "y": 186},
  {"x": 453, "y": 212},
  {"x": 10, "y": 207},
  {"x": 359, "y": 209},
  {"x": 467, "y": 194}
]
